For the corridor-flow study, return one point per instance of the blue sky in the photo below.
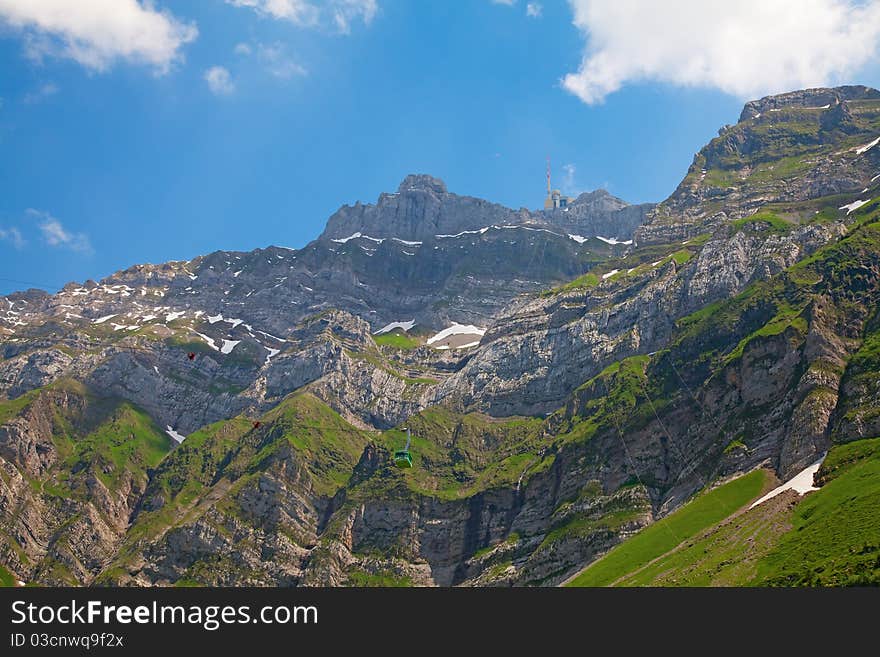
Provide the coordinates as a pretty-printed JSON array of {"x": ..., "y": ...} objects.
[{"x": 251, "y": 123}]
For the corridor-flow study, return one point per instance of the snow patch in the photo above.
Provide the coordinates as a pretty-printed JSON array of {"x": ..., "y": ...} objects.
[
  {"x": 207, "y": 339},
  {"x": 468, "y": 345},
  {"x": 465, "y": 232},
  {"x": 170, "y": 317},
  {"x": 358, "y": 235},
  {"x": 405, "y": 326},
  {"x": 228, "y": 346},
  {"x": 580, "y": 239},
  {"x": 235, "y": 274},
  {"x": 272, "y": 352},
  {"x": 103, "y": 319},
  {"x": 408, "y": 243},
  {"x": 613, "y": 241},
  {"x": 174, "y": 435},
  {"x": 457, "y": 329},
  {"x": 801, "y": 483},
  {"x": 867, "y": 147},
  {"x": 610, "y": 274},
  {"x": 852, "y": 207},
  {"x": 213, "y": 319},
  {"x": 269, "y": 335}
]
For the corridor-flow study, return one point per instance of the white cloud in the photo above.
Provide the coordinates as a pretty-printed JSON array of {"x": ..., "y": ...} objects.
[
  {"x": 277, "y": 62},
  {"x": 55, "y": 234},
  {"x": 534, "y": 9},
  {"x": 97, "y": 33},
  {"x": 219, "y": 81},
  {"x": 509, "y": 3},
  {"x": 346, "y": 11},
  {"x": 41, "y": 93},
  {"x": 339, "y": 13},
  {"x": 274, "y": 58},
  {"x": 746, "y": 48},
  {"x": 14, "y": 236},
  {"x": 569, "y": 180},
  {"x": 299, "y": 12}
]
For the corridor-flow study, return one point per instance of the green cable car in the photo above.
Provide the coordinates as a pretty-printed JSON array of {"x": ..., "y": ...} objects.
[{"x": 402, "y": 457}]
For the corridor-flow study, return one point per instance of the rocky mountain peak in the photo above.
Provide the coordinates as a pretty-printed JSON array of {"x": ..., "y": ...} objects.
[
  {"x": 600, "y": 199},
  {"x": 807, "y": 98},
  {"x": 421, "y": 182}
]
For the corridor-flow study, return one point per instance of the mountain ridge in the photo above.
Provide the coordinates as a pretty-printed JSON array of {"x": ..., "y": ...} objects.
[{"x": 614, "y": 380}]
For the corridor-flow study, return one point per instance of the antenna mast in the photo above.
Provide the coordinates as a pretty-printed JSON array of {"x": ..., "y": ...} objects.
[{"x": 548, "y": 176}]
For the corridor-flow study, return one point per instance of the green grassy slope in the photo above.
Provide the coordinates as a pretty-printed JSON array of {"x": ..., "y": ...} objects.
[
  {"x": 835, "y": 539},
  {"x": 654, "y": 541},
  {"x": 109, "y": 437},
  {"x": 456, "y": 455},
  {"x": 830, "y": 537},
  {"x": 397, "y": 339}
]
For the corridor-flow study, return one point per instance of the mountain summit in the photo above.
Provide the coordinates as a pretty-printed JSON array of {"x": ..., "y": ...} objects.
[{"x": 423, "y": 208}]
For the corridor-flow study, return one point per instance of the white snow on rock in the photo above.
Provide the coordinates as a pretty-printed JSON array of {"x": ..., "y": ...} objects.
[
  {"x": 610, "y": 274},
  {"x": 408, "y": 243},
  {"x": 537, "y": 230},
  {"x": 468, "y": 345},
  {"x": 272, "y": 353},
  {"x": 170, "y": 317},
  {"x": 213, "y": 319},
  {"x": 358, "y": 235},
  {"x": 613, "y": 241},
  {"x": 466, "y": 232},
  {"x": 235, "y": 274},
  {"x": 103, "y": 319},
  {"x": 875, "y": 178},
  {"x": 207, "y": 339},
  {"x": 269, "y": 335},
  {"x": 157, "y": 369},
  {"x": 147, "y": 318},
  {"x": 174, "y": 435},
  {"x": 234, "y": 322},
  {"x": 404, "y": 326},
  {"x": 867, "y": 147},
  {"x": 457, "y": 329},
  {"x": 852, "y": 207},
  {"x": 801, "y": 483},
  {"x": 228, "y": 346},
  {"x": 580, "y": 239}
]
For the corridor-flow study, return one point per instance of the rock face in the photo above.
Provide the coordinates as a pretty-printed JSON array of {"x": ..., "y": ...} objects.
[
  {"x": 422, "y": 208},
  {"x": 632, "y": 356},
  {"x": 808, "y": 98},
  {"x": 600, "y": 213}
]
